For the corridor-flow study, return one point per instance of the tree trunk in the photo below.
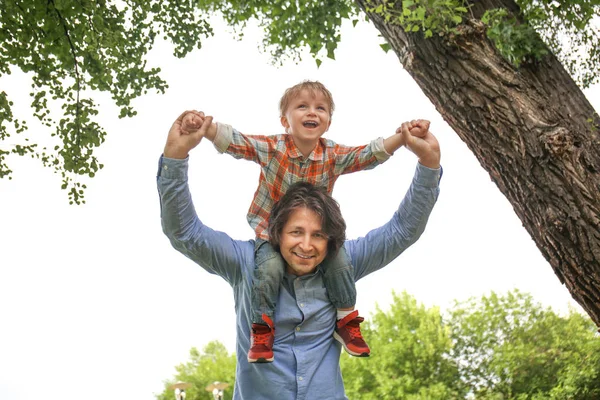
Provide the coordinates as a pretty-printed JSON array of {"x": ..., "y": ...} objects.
[{"x": 529, "y": 128}]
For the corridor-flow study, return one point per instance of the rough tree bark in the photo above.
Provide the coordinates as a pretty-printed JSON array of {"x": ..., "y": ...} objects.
[{"x": 529, "y": 129}]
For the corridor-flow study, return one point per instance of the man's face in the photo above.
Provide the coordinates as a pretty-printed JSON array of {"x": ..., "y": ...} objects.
[{"x": 303, "y": 244}]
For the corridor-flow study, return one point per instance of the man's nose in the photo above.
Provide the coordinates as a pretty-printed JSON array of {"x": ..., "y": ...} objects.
[{"x": 306, "y": 243}]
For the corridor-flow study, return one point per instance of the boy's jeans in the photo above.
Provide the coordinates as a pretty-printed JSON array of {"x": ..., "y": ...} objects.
[{"x": 338, "y": 277}]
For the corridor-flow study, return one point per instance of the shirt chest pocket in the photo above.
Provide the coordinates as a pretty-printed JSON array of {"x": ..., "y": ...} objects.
[{"x": 319, "y": 308}]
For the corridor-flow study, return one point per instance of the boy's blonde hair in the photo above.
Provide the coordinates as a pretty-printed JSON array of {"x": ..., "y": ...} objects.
[{"x": 312, "y": 87}]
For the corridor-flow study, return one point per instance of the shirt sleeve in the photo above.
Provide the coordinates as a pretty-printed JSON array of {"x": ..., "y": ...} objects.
[
  {"x": 214, "y": 251},
  {"x": 255, "y": 148},
  {"x": 353, "y": 159},
  {"x": 382, "y": 245}
]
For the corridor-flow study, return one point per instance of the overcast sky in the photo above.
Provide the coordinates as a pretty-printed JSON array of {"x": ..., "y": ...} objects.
[{"x": 95, "y": 303}]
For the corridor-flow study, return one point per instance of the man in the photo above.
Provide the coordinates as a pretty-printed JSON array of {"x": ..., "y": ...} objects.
[{"x": 305, "y": 226}]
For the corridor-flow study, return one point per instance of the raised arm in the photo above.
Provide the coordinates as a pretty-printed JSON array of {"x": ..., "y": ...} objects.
[
  {"x": 214, "y": 251},
  {"x": 181, "y": 141},
  {"x": 382, "y": 245}
]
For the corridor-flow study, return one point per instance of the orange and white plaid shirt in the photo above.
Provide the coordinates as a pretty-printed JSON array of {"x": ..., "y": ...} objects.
[{"x": 282, "y": 164}]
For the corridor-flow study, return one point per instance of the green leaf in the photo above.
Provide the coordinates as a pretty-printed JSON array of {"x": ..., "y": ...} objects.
[{"x": 386, "y": 47}]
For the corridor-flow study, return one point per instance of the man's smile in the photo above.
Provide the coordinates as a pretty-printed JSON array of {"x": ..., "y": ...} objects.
[{"x": 303, "y": 256}]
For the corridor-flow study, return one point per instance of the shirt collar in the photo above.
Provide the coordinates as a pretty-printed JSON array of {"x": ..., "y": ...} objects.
[{"x": 294, "y": 152}]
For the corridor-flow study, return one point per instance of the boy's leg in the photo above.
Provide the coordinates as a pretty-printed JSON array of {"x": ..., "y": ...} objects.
[
  {"x": 338, "y": 276},
  {"x": 268, "y": 274}
]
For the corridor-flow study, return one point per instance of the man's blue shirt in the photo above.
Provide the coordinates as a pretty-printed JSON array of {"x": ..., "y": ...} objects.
[{"x": 307, "y": 357}]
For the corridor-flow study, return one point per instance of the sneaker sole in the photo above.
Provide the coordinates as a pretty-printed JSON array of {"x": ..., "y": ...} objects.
[
  {"x": 352, "y": 353},
  {"x": 260, "y": 360}
]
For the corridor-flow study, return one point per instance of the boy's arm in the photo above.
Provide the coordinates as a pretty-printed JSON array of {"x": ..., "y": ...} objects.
[
  {"x": 352, "y": 159},
  {"x": 228, "y": 140},
  {"x": 257, "y": 148}
]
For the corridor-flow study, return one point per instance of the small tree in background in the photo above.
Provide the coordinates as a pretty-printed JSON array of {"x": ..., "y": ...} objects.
[
  {"x": 509, "y": 347},
  {"x": 410, "y": 347},
  {"x": 497, "y": 347},
  {"x": 214, "y": 363}
]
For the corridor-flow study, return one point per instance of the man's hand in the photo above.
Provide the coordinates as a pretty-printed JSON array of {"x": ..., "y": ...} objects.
[
  {"x": 425, "y": 147},
  {"x": 179, "y": 143}
]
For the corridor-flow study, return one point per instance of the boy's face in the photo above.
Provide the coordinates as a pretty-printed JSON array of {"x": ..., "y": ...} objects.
[{"x": 307, "y": 117}]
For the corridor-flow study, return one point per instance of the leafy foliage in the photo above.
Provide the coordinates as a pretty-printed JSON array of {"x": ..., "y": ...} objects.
[
  {"x": 73, "y": 47},
  {"x": 518, "y": 43},
  {"x": 571, "y": 29},
  {"x": 410, "y": 345},
  {"x": 289, "y": 26},
  {"x": 509, "y": 347},
  {"x": 495, "y": 347},
  {"x": 214, "y": 363},
  {"x": 429, "y": 16}
]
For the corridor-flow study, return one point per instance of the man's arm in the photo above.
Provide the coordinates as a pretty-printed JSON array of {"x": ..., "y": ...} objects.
[
  {"x": 214, "y": 251},
  {"x": 382, "y": 245}
]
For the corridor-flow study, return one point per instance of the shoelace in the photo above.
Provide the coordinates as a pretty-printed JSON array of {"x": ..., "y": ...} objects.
[
  {"x": 261, "y": 338},
  {"x": 354, "y": 331}
]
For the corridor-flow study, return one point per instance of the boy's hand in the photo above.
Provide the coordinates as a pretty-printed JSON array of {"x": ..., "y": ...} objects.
[
  {"x": 427, "y": 147},
  {"x": 418, "y": 127},
  {"x": 192, "y": 121},
  {"x": 179, "y": 143}
]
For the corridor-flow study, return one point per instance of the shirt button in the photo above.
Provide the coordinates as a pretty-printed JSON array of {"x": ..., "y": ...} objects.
[
  {"x": 297, "y": 329},
  {"x": 302, "y": 305},
  {"x": 166, "y": 167},
  {"x": 300, "y": 378}
]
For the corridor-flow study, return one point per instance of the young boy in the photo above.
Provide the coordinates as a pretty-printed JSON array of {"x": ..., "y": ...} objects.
[{"x": 301, "y": 154}]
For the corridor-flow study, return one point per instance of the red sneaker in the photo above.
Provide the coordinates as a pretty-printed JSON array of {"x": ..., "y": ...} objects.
[
  {"x": 347, "y": 332},
  {"x": 261, "y": 342}
]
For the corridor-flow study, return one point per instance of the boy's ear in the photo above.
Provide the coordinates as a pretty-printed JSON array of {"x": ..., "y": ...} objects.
[
  {"x": 284, "y": 122},
  {"x": 328, "y": 124}
]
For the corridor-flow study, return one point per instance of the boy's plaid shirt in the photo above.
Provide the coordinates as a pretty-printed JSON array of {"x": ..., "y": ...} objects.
[{"x": 282, "y": 165}]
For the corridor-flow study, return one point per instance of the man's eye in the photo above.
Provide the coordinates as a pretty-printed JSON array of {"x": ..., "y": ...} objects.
[{"x": 320, "y": 236}]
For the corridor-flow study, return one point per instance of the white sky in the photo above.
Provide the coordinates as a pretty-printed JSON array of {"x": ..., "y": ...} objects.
[{"x": 95, "y": 303}]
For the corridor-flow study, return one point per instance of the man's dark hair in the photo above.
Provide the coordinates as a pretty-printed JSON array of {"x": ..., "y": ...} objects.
[{"x": 316, "y": 199}]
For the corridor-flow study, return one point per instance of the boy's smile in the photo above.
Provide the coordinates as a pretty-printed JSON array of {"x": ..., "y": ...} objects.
[{"x": 307, "y": 118}]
